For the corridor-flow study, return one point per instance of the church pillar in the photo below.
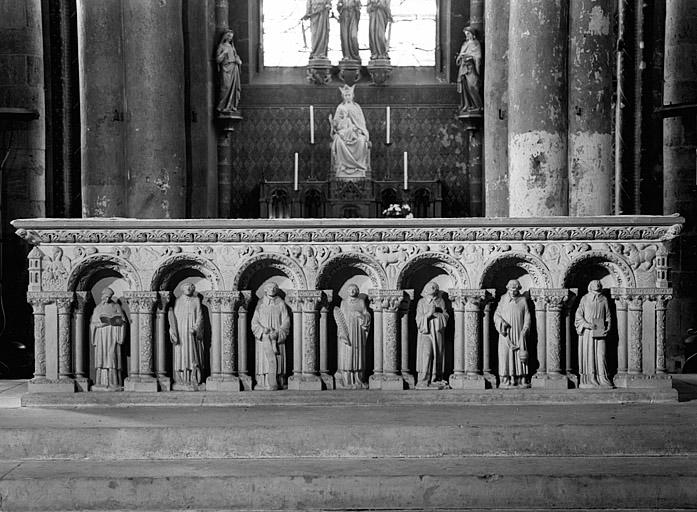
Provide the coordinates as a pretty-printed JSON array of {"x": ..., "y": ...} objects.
[
  {"x": 38, "y": 303},
  {"x": 391, "y": 379},
  {"x": 635, "y": 340},
  {"x": 324, "y": 345},
  {"x": 537, "y": 123},
  {"x": 540, "y": 376},
  {"x": 680, "y": 86},
  {"x": 81, "y": 350},
  {"x": 467, "y": 306},
  {"x": 548, "y": 315},
  {"x": 223, "y": 342},
  {"x": 140, "y": 305},
  {"x": 243, "y": 339},
  {"x": 375, "y": 381},
  {"x": 296, "y": 307},
  {"x": 64, "y": 304},
  {"x": 661, "y": 306},
  {"x": 155, "y": 142},
  {"x": 621, "y": 308},
  {"x": 162, "y": 336},
  {"x": 458, "y": 302},
  {"x": 213, "y": 300},
  {"x": 305, "y": 305},
  {"x": 486, "y": 339},
  {"x": 496, "y": 108},
  {"x": 591, "y": 46},
  {"x": 102, "y": 115},
  {"x": 408, "y": 377}
]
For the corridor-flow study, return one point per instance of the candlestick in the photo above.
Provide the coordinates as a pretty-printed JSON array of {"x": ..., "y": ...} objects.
[
  {"x": 295, "y": 181},
  {"x": 387, "y": 135},
  {"x": 312, "y": 124},
  {"x": 406, "y": 170}
]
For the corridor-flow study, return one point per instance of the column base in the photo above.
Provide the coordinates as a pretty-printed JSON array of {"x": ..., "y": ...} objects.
[
  {"x": 305, "y": 383},
  {"x": 44, "y": 385},
  {"x": 391, "y": 382},
  {"x": 327, "y": 380},
  {"x": 165, "y": 383},
  {"x": 223, "y": 383},
  {"x": 463, "y": 381},
  {"x": 490, "y": 379},
  {"x": 245, "y": 382},
  {"x": 82, "y": 384},
  {"x": 550, "y": 381},
  {"x": 409, "y": 380},
  {"x": 639, "y": 381},
  {"x": 375, "y": 381},
  {"x": 141, "y": 384}
]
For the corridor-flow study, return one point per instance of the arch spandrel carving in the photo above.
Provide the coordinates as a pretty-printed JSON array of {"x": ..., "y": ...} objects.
[
  {"x": 262, "y": 261},
  {"x": 533, "y": 265},
  {"x": 183, "y": 261},
  {"x": 86, "y": 268},
  {"x": 615, "y": 264},
  {"x": 367, "y": 264}
]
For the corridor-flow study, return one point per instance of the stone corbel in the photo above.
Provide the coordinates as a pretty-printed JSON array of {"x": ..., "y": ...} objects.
[
  {"x": 380, "y": 70},
  {"x": 468, "y": 342},
  {"x": 319, "y": 71}
]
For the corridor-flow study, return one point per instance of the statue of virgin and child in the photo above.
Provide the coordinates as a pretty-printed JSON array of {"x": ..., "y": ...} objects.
[{"x": 350, "y": 149}]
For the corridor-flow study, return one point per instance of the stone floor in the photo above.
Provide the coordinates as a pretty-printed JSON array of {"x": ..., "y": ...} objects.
[{"x": 383, "y": 454}]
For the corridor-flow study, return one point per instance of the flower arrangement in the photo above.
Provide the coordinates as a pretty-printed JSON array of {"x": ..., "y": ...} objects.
[{"x": 398, "y": 210}]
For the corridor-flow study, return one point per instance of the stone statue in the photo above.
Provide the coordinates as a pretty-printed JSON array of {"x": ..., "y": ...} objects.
[
  {"x": 271, "y": 325},
  {"x": 186, "y": 334},
  {"x": 230, "y": 85},
  {"x": 431, "y": 319},
  {"x": 107, "y": 334},
  {"x": 469, "y": 74},
  {"x": 349, "y": 16},
  {"x": 593, "y": 323},
  {"x": 318, "y": 12},
  {"x": 512, "y": 321},
  {"x": 350, "y": 138},
  {"x": 353, "y": 326},
  {"x": 380, "y": 15}
]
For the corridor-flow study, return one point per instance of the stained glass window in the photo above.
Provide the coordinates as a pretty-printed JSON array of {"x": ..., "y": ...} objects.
[{"x": 287, "y": 40}]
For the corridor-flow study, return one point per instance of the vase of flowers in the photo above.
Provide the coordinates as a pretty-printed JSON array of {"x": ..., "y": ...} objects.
[{"x": 402, "y": 211}]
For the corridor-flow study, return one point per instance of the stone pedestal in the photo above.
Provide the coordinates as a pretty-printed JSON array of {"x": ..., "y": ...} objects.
[
  {"x": 380, "y": 70},
  {"x": 349, "y": 71},
  {"x": 319, "y": 71}
]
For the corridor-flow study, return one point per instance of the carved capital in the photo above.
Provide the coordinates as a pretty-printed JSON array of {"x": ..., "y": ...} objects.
[
  {"x": 465, "y": 298},
  {"x": 389, "y": 300},
  {"x": 81, "y": 301},
  {"x": 553, "y": 298},
  {"x": 244, "y": 299},
  {"x": 165, "y": 297},
  {"x": 308, "y": 301},
  {"x": 141, "y": 302},
  {"x": 38, "y": 301},
  {"x": 634, "y": 298},
  {"x": 64, "y": 302}
]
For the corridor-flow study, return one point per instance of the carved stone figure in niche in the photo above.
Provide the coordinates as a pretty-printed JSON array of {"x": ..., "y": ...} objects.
[
  {"x": 349, "y": 16},
  {"x": 380, "y": 14},
  {"x": 593, "y": 323},
  {"x": 350, "y": 138},
  {"x": 271, "y": 325},
  {"x": 431, "y": 319},
  {"x": 353, "y": 326},
  {"x": 512, "y": 321},
  {"x": 318, "y": 12},
  {"x": 186, "y": 334},
  {"x": 469, "y": 74},
  {"x": 107, "y": 334},
  {"x": 230, "y": 85}
]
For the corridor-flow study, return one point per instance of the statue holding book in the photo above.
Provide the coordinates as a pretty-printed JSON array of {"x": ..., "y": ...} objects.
[
  {"x": 593, "y": 324},
  {"x": 107, "y": 334},
  {"x": 186, "y": 334}
]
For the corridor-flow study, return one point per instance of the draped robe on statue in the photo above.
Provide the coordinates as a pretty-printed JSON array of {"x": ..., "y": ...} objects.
[
  {"x": 319, "y": 27},
  {"x": 512, "y": 321},
  {"x": 353, "y": 326},
  {"x": 349, "y": 16},
  {"x": 380, "y": 15},
  {"x": 107, "y": 339},
  {"x": 271, "y": 313},
  {"x": 593, "y": 310},
  {"x": 187, "y": 329},
  {"x": 350, "y": 144},
  {"x": 431, "y": 319},
  {"x": 469, "y": 75},
  {"x": 230, "y": 84}
]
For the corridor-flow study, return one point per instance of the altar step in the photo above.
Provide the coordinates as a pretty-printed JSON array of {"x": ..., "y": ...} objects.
[{"x": 505, "y": 483}]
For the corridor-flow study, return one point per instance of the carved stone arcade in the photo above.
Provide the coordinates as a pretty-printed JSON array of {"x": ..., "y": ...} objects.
[{"x": 471, "y": 259}]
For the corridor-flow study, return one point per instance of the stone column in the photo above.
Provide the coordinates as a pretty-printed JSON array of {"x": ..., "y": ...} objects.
[
  {"x": 375, "y": 381},
  {"x": 64, "y": 303},
  {"x": 486, "y": 341},
  {"x": 537, "y": 124},
  {"x": 680, "y": 86},
  {"x": 102, "y": 111},
  {"x": 141, "y": 306},
  {"x": 591, "y": 56},
  {"x": 38, "y": 303},
  {"x": 327, "y": 379},
  {"x": 391, "y": 303},
  {"x": 243, "y": 340},
  {"x": 407, "y": 375},
  {"x": 305, "y": 305},
  {"x": 539, "y": 299},
  {"x": 155, "y": 138},
  {"x": 458, "y": 302},
  {"x": 496, "y": 109},
  {"x": 661, "y": 306},
  {"x": 223, "y": 342},
  {"x": 468, "y": 314},
  {"x": 555, "y": 302},
  {"x": 635, "y": 334},
  {"x": 621, "y": 305},
  {"x": 81, "y": 350},
  {"x": 164, "y": 381}
]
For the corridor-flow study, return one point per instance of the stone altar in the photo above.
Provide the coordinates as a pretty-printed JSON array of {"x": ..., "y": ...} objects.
[{"x": 144, "y": 261}]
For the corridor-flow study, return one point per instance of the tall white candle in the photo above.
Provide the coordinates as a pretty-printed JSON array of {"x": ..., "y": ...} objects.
[
  {"x": 387, "y": 114},
  {"x": 312, "y": 124},
  {"x": 406, "y": 171},
  {"x": 295, "y": 180}
]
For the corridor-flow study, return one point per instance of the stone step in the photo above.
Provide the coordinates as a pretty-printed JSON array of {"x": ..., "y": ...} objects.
[
  {"x": 505, "y": 483},
  {"x": 383, "y": 431}
]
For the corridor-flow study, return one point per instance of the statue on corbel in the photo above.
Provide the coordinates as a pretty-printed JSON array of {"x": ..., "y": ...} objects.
[
  {"x": 379, "y": 32},
  {"x": 229, "y": 81},
  {"x": 469, "y": 76},
  {"x": 319, "y": 67}
]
